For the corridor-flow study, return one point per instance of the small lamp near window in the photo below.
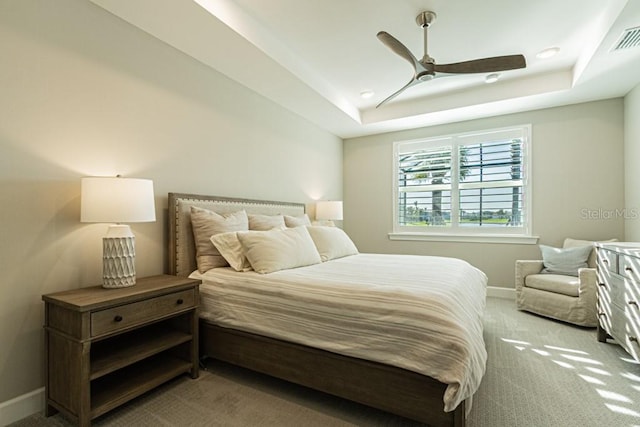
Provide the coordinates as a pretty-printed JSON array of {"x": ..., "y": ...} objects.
[
  {"x": 327, "y": 212},
  {"x": 117, "y": 200}
]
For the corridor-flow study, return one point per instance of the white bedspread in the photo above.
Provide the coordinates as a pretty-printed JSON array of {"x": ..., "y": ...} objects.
[{"x": 423, "y": 314}]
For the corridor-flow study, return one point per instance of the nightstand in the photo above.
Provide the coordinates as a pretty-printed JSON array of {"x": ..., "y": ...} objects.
[{"x": 105, "y": 347}]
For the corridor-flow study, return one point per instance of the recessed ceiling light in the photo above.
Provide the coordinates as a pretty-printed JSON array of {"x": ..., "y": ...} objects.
[
  {"x": 492, "y": 78},
  {"x": 367, "y": 94},
  {"x": 548, "y": 52}
]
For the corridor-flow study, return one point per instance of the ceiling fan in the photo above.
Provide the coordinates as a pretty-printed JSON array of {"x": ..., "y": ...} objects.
[{"x": 426, "y": 68}]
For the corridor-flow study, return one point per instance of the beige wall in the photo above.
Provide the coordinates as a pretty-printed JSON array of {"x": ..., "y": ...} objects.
[
  {"x": 631, "y": 169},
  {"x": 577, "y": 164},
  {"x": 84, "y": 93}
]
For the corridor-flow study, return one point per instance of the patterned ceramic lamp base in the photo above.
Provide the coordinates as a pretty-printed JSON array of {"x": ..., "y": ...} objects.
[{"x": 118, "y": 258}]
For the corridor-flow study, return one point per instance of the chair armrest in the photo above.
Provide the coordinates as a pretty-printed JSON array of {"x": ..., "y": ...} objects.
[
  {"x": 588, "y": 281},
  {"x": 526, "y": 267},
  {"x": 588, "y": 293}
]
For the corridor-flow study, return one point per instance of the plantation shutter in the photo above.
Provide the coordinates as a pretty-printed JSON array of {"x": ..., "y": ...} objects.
[
  {"x": 491, "y": 179},
  {"x": 424, "y": 184},
  {"x": 464, "y": 183}
]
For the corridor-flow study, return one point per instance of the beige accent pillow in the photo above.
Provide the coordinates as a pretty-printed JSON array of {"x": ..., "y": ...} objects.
[
  {"x": 265, "y": 222},
  {"x": 331, "y": 242},
  {"x": 275, "y": 250},
  {"x": 206, "y": 223},
  {"x": 231, "y": 249},
  {"x": 574, "y": 243},
  {"x": 296, "y": 221}
]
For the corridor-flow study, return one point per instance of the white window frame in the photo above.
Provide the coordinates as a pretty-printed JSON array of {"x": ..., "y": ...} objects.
[{"x": 468, "y": 234}]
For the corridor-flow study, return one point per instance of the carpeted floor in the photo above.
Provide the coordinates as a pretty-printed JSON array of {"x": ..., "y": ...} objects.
[{"x": 539, "y": 373}]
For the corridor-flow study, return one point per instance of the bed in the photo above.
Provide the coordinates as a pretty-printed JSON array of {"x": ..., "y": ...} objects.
[{"x": 319, "y": 356}]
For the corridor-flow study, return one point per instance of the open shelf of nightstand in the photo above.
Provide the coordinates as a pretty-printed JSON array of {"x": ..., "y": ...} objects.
[
  {"x": 113, "y": 390},
  {"x": 112, "y": 354}
]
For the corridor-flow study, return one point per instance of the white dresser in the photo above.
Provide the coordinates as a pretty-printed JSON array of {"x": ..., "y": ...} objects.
[{"x": 619, "y": 294}]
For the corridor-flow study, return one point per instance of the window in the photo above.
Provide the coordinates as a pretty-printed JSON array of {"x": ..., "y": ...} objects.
[{"x": 466, "y": 184}]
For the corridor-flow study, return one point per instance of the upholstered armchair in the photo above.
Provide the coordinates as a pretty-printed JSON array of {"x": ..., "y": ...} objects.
[{"x": 569, "y": 298}]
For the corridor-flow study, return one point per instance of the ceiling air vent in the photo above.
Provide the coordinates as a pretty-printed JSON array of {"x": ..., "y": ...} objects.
[{"x": 629, "y": 38}]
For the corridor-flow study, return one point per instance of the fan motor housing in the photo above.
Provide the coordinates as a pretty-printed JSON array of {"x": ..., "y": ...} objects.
[{"x": 424, "y": 19}]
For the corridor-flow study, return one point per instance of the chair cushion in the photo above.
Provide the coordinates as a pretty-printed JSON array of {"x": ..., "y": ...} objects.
[{"x": 557, "y": 283}]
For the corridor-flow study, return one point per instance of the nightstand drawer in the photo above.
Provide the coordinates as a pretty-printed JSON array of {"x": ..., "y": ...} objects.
[{"x": 124, "y": 316}]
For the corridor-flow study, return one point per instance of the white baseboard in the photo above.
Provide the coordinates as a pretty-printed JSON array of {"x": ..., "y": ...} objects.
[
  {"x": 498, "y": 292},
  {"x": 21, "y": 407}
]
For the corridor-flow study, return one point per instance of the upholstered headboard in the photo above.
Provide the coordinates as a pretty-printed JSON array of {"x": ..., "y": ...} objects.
[{"x": 182, "y": 252}]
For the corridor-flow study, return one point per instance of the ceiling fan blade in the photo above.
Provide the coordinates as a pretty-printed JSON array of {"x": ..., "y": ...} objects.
[
  {"x": 413, "y": 82},
  {"x": 486, "y": 65},
  {"x": 400, "y": 49}
]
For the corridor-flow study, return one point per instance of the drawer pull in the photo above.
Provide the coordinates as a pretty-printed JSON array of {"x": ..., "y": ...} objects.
[
  {"x": 605, "y": 261},
  {"x": 633, "y": 339},
  {"x": 633, "y": 303},
  {"x": 602, "y": 285},
  {"x": 629, "y": 269},
  {"x": 118, "y": 318},
  {"x": 180, "y": 301}
]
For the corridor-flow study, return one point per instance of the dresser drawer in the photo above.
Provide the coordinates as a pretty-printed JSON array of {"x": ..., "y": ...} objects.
[
  {"x": 124, "y": 316},
  {"x": 623, "y": 324},
  {"x": 632, "y": 312},
  {"x": 617, "y": 325},
  {"x": 604, "y": 284},
  {"x": 631, "y": 292},
  {"x": 611, "y": 289},
  {"x": 629, "y": 267},
  {"x": 607, "y": 260},
  {"x": 630, "y": 335}
]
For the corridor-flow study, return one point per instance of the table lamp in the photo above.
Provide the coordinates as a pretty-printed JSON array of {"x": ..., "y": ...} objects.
[
  {"x": 328, "y": 211},
  {"x": 117, "y": 200}
]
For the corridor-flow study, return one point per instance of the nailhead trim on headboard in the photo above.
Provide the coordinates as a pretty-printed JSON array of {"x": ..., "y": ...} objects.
[{"x": 182, "y": 260}]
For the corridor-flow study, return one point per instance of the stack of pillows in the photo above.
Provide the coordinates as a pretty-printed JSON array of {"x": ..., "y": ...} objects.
[{"x": 264, "y": 243}]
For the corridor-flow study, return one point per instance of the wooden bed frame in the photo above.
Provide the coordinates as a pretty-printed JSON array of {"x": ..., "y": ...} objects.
[{"x": 381, "y": 386}]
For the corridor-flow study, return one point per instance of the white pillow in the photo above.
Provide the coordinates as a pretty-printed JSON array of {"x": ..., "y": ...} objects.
[
  {"x": 206, "y": 223},
  {"x": 296, "y": 221},
  {"x": 331, "y": 242},
  {"x": 265, "y": 222},
  {"x": 274, "y": 250},
  {"x": 231, "y": 249}
]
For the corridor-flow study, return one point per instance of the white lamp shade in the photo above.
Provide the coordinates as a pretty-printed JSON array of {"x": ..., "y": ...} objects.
[
  {"x": 117, "y": 200},
  {"x": 331, "y": 210}
]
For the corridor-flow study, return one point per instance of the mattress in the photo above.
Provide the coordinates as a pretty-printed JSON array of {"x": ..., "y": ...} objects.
[{"x": 419, "y": 313}]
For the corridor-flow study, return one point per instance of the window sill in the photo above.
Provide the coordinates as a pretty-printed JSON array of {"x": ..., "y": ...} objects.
[{"x": 467, "y": 238}]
